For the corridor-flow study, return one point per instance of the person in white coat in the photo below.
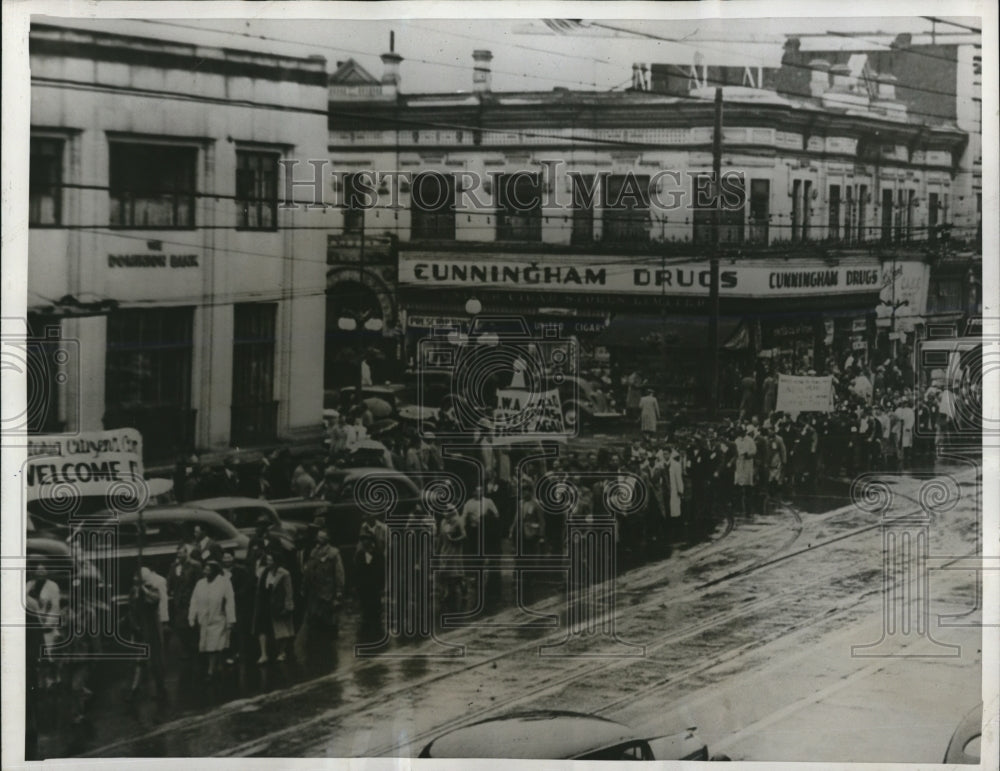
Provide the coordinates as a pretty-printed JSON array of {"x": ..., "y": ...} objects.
[
  {"x": 213, "y": 610},
  {"x": 746, "y": 449}
]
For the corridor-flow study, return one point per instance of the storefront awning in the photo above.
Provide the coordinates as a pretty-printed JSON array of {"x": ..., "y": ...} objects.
[{"x": 673, "y": 331}]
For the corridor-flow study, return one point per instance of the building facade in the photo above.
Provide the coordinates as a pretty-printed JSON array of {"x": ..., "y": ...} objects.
[
  {"x": 594, "y": 211},
  {"x": 159, "y": 243}
]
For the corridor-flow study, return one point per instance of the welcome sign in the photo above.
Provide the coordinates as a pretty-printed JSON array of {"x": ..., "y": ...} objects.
[{"x": 84, "y": 464}]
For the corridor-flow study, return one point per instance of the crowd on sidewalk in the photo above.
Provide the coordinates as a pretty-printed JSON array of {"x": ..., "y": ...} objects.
[{"x": 213, "y": 617}]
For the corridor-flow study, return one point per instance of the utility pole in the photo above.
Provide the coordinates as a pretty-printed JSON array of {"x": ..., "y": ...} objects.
[{"x": 713, "y": 297}]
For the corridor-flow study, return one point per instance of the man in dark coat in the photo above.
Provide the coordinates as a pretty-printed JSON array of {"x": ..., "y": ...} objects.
[
  {"x": 369, "y": 580},
  {"x": 244, "y": 589},
  {"x": 322, "y": 592},
  {"x": 184, "y": 574}
]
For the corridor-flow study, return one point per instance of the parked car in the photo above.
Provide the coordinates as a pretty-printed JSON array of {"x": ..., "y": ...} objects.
[
  {"x": 243, "y": 514},
  {"x": 344, "y": 515},
  {"x": 965, "y": 744},
  {"x": 549, "y": 734},
  {"x": 164, "y": 527}
]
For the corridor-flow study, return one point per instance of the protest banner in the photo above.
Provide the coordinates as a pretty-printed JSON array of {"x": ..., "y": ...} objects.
[
  {"x": 521, "y": 412},
  {"x": 87, "y": 464},
  {"x": 801, "y": 393}
]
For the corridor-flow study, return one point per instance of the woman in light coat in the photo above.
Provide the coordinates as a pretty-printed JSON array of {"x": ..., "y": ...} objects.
[
  {"x": 649, "y": 413},
  {"x": 213, "y": 611},
  {"x": 746, "y": 449}
]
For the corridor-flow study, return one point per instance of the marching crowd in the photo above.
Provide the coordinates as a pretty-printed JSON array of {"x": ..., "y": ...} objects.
[{"x": 213, "y": 615}]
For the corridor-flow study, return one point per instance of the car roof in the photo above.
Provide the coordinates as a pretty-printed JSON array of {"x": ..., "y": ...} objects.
[
  {"x": 228, "y": 502},
  {"x": 167, "y": 513},
  {"x": 542, "y": 734},
  {"x": 48, "y": 546}
]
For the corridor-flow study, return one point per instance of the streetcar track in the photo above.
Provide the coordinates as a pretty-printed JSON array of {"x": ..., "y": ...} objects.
[{"x": 508, "y": 632}]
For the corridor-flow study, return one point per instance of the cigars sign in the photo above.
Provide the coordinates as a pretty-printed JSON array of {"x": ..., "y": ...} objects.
[{"x": 638, "y": 276}]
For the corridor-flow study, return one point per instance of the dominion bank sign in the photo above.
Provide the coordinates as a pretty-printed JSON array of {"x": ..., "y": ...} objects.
[{"x": 557, "y": 273}]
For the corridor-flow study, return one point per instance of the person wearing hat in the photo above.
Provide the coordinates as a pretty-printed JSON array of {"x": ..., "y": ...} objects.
[
  {"x": 746, "y": 449},
  {"x": 213, "y": 611},
  {"x": 907, "y": 420},
  {"x": 369, "y": 580},
  {"x": 148, "y": 613},
  {"x": 322, "y": 592},
  {"x": 182, "y": 577},
  {"x": 274, "y": 608},
  {"x": 649, "y": 413},
  {"x": 243, "y": 581}
]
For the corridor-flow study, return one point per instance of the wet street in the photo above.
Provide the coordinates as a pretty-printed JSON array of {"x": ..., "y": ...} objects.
[{"x": 748, "y": 636}]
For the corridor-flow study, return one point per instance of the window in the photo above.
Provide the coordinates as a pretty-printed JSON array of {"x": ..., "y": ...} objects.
[
  {"x": 625, "y": 208},
  {"x": 45, "y": 180},
  {"x": 631, "y": 751},
  {"x": 833, "y": 227},
  {"x": 583, "y": 209},
  {"x": 887, "y": 215},
  {"x": 732, "y": 212},
  {"x": 796, "y": 209},
  {"x": 257, "y": 189},
  {"x": 862, "y": 212},
  {"x": 932, "y": 216},
  {"x": 254, "y": 410},
  {"x": 760, "y": 203},
  {"x": 148, "y": 376},
  {"x": 806, "y": 208},
  {"x": 730, "y": 204},
  {"x": 245, "y": 517},
  {"x": 849, "y": 213},
  {"x": 519, "y": 207},
  {"x": 900, "y": 219},
  {"x": 432, "y": 207},
  {"x": 354, "y": 213},
  {"x": 152, "y": 186}
]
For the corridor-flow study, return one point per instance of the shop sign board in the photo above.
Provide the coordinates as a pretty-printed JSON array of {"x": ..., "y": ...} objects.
[
  {"x": 800, "y": 393},
  {"x": 859, "y": 345},
  {"x": 523, "y": 411},
  {"x": 589, "y": 274},
  {"x": 91, "y": 463}
]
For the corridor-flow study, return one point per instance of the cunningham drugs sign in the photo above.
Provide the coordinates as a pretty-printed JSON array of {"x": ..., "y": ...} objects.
[{"x": 587, "y": 273}]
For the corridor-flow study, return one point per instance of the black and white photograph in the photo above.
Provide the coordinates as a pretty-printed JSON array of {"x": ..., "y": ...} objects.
[{"x": 445, "y": 381}]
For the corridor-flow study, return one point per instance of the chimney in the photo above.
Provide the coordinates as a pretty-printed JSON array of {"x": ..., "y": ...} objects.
[
  {"x": 887, "y": 87},
  {"x": 820, "y": 82},
  {"x": 481, "y": 72},
  {"x": 841, "y": 77},
  {"x": 887, "y": 101},
  {"x": 390, "y": 73}
]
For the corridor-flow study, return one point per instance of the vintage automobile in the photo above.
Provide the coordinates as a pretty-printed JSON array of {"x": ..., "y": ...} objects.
[
  {"x": 550, "y": 734},
  {"x": 163, "y": 528},
  {"x": 244, "y": 513},
  {"x": 965, "y": 745},
  {"x": 342, "y": 513}
]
